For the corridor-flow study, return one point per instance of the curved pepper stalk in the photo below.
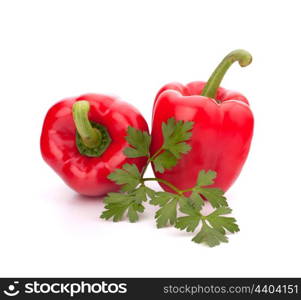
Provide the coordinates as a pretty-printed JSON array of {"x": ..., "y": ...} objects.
[
  {"x": 92, "y": 139},
  {"x": 242, "y": 56}
]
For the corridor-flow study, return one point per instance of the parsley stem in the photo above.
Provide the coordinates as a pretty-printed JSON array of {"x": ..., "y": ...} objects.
[
  {"x": 144, "y": 170},
  {"x": 150, "y": 159},
  {"x": 166, "y": 183},
  {"x": 156, "y": 154},
  {"x": 186, "y": 191}
]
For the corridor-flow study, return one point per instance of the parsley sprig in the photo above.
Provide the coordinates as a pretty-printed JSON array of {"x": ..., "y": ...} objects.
[{"x": 177, "y": 209}]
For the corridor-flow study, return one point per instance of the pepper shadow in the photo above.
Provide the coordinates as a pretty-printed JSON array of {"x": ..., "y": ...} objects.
[{"x": 80, "y": 209}]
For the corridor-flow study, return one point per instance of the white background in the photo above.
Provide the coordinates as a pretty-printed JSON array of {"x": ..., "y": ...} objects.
[{"x": 55, "y": 49}]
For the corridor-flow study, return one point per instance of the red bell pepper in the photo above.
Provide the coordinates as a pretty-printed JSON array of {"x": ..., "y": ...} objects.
[
  {"x": 83, "y": 139},
  {"x": 222, "y": 131}
]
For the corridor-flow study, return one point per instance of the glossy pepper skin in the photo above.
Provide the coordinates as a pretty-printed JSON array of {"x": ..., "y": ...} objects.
[
  {"x": 88, "y": 175},
  {"x": 221, "y": 135}
]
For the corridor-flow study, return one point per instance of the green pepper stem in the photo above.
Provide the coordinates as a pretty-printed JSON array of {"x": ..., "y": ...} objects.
[
  {"x": 91, "y": 137},
  {"x": 242, "y": 56}
]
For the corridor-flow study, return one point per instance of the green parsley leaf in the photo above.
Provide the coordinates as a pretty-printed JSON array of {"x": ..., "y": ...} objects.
[
  {"x": 210, "y": 236},
  {"x": 139, "y": 142},
  {"x": 140, "y": 193},
  {"x": 143, "y": 191},
  {"x": 189, "y": 222},
  {"x": 186, "y": 206},
  {"x": 178, "y": 149},
  {"x": 116, "y": 206},
  {"x": 175, "y": 134},
  {"x": 167, "y": 213},
  {"x": 221, "y": 223},
  {"x": 196, "y": 200},
  {"x": 166, "y": 160},
  {"x": 118, "y": 203},
  {"x": 214, "y": 234},
  {"x": 205, "y": 178},
  {"x": 129, "y": 177},
  {"x": 149, "y": 192},
  {"x": 214, "y": 195},
  {"x": 169, "y": 204},
  {"x": 132, "y": 212},
  {"x": 161, "y": 198}
]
